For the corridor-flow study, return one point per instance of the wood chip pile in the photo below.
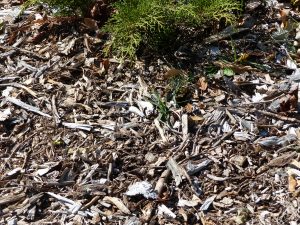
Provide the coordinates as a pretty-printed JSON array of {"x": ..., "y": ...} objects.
[{"x": 89, "y": 140}]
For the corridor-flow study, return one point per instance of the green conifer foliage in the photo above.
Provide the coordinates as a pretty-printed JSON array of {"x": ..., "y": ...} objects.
[
  {"x": 147, "y": 22},
  {"x": 137, "y": 22}
]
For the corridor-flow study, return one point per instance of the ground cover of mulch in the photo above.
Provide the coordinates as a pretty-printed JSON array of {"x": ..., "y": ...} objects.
[{"x": 89, "y": 140}]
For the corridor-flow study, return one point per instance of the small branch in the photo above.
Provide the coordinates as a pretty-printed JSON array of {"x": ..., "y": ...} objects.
[
  {"x": 277, "y": 116},
  {"x": 27, "y": 106}
]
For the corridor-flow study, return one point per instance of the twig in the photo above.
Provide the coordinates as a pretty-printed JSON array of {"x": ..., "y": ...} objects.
[
  {"x": 277, "y": 116},
  {"x": 11, "y": 198},
  {"x": 27, "y": 106},
  {"x": 17, "y": 85},
  {"x": 195, "y": 139},
  {"x": 176, "y": 171},
  {"x": 161, "y": 181},
  {"x": 86, "y": 127},
  {"x": 24, "y": 51},
  {"x": 286, "y": 148},
  {"x": 223, "y": 138},
  {"x": 54, "y": 111},
  {"x": 90, "y": 203},
  {"x": 160, "y": 130}
]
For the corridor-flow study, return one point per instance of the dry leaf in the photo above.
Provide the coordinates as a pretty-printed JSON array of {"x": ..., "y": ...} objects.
[
  {"x": 202, "y": 84},
  {"x": 105, "y": 64},
  {"x": 289, "y": 102},
  {"x": 201, "y": 105},
  {"x": 292, "y": 183},
  {"x": 197, "y": 118},
  {"x": 189, "y": 108},
  {"x": 172, "y": 73},
  {"x": 284, "y": 17},
  {"x": 90, "y": 23}
]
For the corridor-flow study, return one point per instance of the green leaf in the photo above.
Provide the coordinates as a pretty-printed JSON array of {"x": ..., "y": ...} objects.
[{"x": 228, "y": 72}]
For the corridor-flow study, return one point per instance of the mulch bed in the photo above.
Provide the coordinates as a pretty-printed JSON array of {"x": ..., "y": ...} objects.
[{"x": 89, "y": 140}]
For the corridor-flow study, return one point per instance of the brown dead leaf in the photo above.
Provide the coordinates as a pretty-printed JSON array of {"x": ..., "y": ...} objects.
[
  {"x": 172, "y": 73},
  {"x": 202, "y": 83},
  {"x": 289, "y": 102},
  {"x": 189, "y": 108},
  {"x": 197, "y": 118},
  {"x": 292, "y": 183},
  {"x": 201, "y": 105},
  {"x": 284, "y": 13},
  {"x": 12, "y": 37},
  {"x": 293, "y": 171},
  {"x": 38, "y": 37},
  {"x": 90, "y": 23},
  {"x": 105, "y": 64}
]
